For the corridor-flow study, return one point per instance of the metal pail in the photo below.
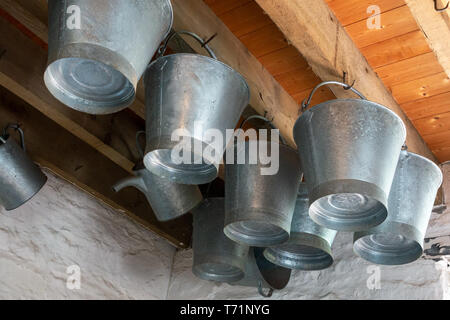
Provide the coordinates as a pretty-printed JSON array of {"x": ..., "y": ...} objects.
[
  {"x": 262, "y": 274},
  {"x": 258, "y": 207},
  {"x": 20, "y": 178},
  {"x": 191, "y": 96},
  {"x": 399, "y": 240},
  {"x": 309, "y": 247},
  {"x": 98, "y": 50},
  {"x": 349, "y": 151},
  {"x": 216, "y": 257}
]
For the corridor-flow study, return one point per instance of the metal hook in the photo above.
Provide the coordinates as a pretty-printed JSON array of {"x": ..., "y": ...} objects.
[
  {"x": 345, "y": 81},
  {"x": 440, "y": 9},
  {"x": 405, "y": 147},
  {"x": 209, "y": 40},
  {"x": 262, "y": 293}
]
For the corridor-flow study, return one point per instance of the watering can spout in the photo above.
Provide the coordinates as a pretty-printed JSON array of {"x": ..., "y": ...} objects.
[{"x": 135, "y": 182}]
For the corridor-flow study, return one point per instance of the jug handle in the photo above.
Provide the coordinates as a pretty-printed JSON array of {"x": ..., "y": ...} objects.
[
  {"x": 18, "y": 129},
  {"x": 262, "y": 293},
  {"x": 204, "y": 43},
  {"x": 306, "y": 102},
  {"x": 135, "y": 182},
  {"x": 266, "y": 120}
]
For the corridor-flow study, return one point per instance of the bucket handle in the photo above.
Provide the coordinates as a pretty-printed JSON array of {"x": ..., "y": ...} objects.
[
  {"x": 16, "y": 127},
  {"x": 306, "y": 102},
  {"x": 261, "y": 291},
  {"x": 266, "y": 120},
  {"x": 138, "y": 145},
  {"x": 204, "y": 44}
]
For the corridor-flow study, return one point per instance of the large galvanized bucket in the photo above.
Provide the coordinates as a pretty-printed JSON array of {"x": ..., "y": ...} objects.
[
  {"x": 400, "y": 238},
  {"x": 98, "y": 50},
  {"x": 168, "y": 200},
  {"x": 216, "y": 257},
  {"x": 349, "y": 151},
  {"x": 259, "y": 208},
  {"x": 309, "y": 247},
  {"x": 190, "y": 97},
  {"x": 20, "y": 178},
  {"x": 262, "y": 274}
]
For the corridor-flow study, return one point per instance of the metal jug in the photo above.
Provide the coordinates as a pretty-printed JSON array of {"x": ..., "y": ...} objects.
[
  {"x": 216, "y": 257},
  {"x": 309, "y": 246},
  {"x": 259, "y": 208},
  {"x": 262, "y": 274},
  {"x": 20, "y": 178},
  {"x": 98, "y": 50},
  {"x": 399, "y": 240},
  {"x": 167, "y": 199},
  {"x": 349, "y": 150},
  {"x": 193, "y": 96}
]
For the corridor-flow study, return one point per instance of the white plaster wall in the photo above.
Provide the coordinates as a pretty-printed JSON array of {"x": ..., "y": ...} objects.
[{"x": 63, "y": 226}]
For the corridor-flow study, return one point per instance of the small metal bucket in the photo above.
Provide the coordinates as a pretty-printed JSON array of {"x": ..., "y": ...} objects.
[
  {"x": 20, "y": 178},
  {"x": 94, "y": 66},
  {"x": 216, "y": 257},
  {"x": 399, "y": 240},
  {"x": 349, "y": 150},
  {"x": 262, "y": 274},
  {"x": 193, "y": 95},
  {"x": 259, "y": 208},
  {"x": 309, "y": 247},
  {"x": 167, "y": 199}
]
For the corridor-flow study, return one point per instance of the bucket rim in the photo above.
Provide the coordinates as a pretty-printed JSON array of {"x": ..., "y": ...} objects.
[
  {"x": 430, "y": 162},
  {"x": 209, "y": 59},
  {"x": 384, "y": 108}
]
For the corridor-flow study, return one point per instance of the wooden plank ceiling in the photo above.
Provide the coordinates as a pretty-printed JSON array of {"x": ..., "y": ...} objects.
[{"x": 398, "y": 52}]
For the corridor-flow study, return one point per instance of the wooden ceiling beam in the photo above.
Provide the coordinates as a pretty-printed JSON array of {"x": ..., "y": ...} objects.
[
  {"x": 318, "y": 35},
  {"x": 436, "y": 27}
]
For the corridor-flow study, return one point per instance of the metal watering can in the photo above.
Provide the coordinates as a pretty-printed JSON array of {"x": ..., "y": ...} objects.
[
  {"x": 399, "y": 240},
  {"x": 20, "y": 178},
  {"x": 167, "y": 199},
  {"x": 216, "y": 257},
  {"x": 98, "y": 50},
  {"x": 349, "y": 150},
  {"x": 192, "y": 95},
  {"x": 309, "y": 246},
  {"x": 258, "y": 207},
  {"x": 262, "y": 274}
]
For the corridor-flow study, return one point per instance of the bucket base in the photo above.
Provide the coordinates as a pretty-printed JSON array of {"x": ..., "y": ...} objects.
[
  {"x": 221, "y": 272},
  {"x": 393, "y": 244},
  {"x": 312, "y": 254},
  {"x": 89, "y": 86},
  {"x": 256, "y": 233},
  {"x": 348, "y": 205}
]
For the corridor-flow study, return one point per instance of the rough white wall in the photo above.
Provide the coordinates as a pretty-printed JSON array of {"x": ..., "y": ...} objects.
[
  {"x": 63, "y": 226},
  {"x": 346, "y": 279}
]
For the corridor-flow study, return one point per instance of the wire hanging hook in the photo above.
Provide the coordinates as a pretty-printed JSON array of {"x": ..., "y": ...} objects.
[
  {"x": 440, "y": 9},
  {"x": 348, "y": 87}
]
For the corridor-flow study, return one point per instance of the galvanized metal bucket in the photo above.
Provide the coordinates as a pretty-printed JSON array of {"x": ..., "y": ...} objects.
[
  {"x": 349, "y": 151},
  {"x": 216, "y": 257},
  {"x": 20, "y": 178},
  {"x": 94, "y": 65},
  {"x": 259, "y": 208},
  {"x": 168, "y": 200},
  {"x": 192, "y": 96},
  {"x": 309, "y": 247},
  {"x": 399, "y": 240},
  {"x": 262, "y": 274}
]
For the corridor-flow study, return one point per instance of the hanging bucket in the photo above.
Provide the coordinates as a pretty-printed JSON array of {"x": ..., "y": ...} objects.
[
  {"x": 94, "y": 65},
  {"x": 167, "y": 199},
  {"x": 20, "y": 178},
  {"x": 259, "y": 208},
  {"x": 349, "y": 151},
  {"x": 193, "y": 95},
  {"x": 262, "y": 274},
  {"x": 399, "y": 240},
  {"x": 216, "y": 257},
  {"x": 309, "y": 247}
]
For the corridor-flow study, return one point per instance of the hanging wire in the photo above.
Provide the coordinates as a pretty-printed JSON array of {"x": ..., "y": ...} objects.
[{"x": 203, "y": 43}]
